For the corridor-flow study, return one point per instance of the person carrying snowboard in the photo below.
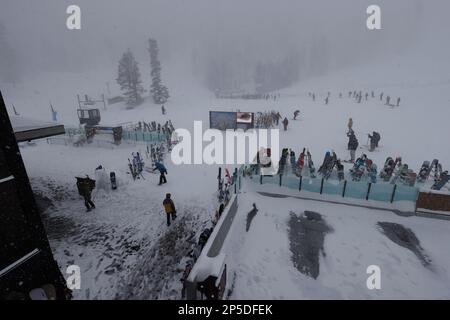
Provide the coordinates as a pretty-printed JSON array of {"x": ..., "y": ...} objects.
[
  {"x": 352, "y": 145},
  {"x": 85, "y": 187},
  {"x": 285, "y": 123},
  {"x": 169, "y": 208},
  {"x": 162, "y": 171}
]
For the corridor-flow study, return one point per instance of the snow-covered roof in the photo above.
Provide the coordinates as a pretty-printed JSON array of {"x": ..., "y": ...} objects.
[{"x": 27, "y": 129}]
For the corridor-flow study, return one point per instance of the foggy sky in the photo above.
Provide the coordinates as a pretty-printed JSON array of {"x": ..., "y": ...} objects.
[{"x": 245, "y": 31}]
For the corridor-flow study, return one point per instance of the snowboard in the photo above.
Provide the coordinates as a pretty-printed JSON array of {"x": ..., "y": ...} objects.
[{"x": 441, "y": 182}]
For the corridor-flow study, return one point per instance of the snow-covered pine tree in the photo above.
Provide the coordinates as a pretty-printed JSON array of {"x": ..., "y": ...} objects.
[
  {"x": 129, "y": 79},
  {"x": 159, "y": 92}
]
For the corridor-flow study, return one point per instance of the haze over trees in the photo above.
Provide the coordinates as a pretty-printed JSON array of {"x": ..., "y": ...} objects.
[
  {"x": 129, "y": 79},
  {"x": 159, "y": 92}
]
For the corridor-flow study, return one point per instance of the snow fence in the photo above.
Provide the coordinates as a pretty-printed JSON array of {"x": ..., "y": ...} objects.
[{"x": 364, "y": 190}]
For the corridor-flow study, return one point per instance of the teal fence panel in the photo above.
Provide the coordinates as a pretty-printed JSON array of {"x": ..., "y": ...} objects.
[
  {"x": 150, "y": 137},
  {"x": 333, "y": 187},
  {"x": 405, "y": 193},
  {"x": 381, "y": 192},
  {"x": 271, "y": 179},
  {"x": 290, "y": 181},
  {"x": 311, "y": 184},
  {"x": 356, "y": 189}
]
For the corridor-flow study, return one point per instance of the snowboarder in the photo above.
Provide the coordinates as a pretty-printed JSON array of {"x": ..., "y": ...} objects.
[
  {"x": 285, "y": 123},
  {"x": 374, "y": 139},
  {"x": 169, "y": 208},
  {"x": 296, "y": 113},
  {"x": 162, "y": 171},
  {"x": 352, "y": 145},
  {"x": 85, "y": 187}
]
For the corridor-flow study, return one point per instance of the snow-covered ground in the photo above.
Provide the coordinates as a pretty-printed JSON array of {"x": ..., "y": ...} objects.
[{"x": 264, "y": 269}]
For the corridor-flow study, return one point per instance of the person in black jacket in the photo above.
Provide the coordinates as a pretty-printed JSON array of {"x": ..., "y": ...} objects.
[{"x": 352, "y": 145}]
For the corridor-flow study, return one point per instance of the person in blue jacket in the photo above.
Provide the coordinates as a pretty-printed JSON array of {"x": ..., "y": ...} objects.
[{"x": 162, "y": 170}]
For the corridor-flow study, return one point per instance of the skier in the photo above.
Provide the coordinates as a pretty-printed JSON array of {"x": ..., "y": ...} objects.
[
  {"x": 326, "y": 100},
  {"x": 85, "y": 187},
  {"x": 367, "y": 96},
  {"x": 374, "y": 139},
  {"x": 388, "y": 100},
  {"x": 169, "y": 208},
  {"x": 162, "y": 170},
  {"x": 381, "y": 96},
  {"x": 314, "y": 97},
  {"x": 352, "y": 145},
  {"x": 163, "y": 110},
  {"x": 296, "y": 113},
  {"x": 350, "y": 125},
  {"x": 398, "y": 102},
  {"x": 277, "y": 118},
  {"x": 285, "y": 123}
]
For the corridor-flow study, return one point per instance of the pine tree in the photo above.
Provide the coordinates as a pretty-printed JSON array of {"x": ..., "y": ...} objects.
[
  {"x": 129, "y": 79},
  {"x": 159, "y": 92}
]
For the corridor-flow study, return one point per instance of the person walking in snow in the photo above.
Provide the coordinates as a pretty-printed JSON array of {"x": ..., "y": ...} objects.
[
  {"x": 162, "y": 171},
  {"x": 374, "y": 139},
  {"x": 85, "y": 187},
  {"x": 169, "y": 208},
  {"x": 352, "y": 145},
  {"x": 285, "y": 123},
  {"x": 278, "y": 118}
]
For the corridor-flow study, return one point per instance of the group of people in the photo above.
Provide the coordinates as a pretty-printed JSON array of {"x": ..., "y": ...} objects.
[
  {"x": 353, "y": 143},
  {"x": 358, "y": 96}
]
